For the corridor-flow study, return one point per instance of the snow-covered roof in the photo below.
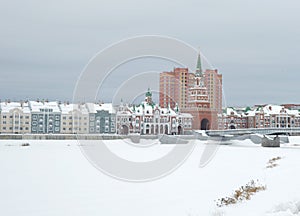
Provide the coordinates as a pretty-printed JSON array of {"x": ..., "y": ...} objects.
[
  {"x": 37, "y": 106},
  {"x": 148, "y": 109},
  {"x": 69, "y": 108},
  {"x": 271, "y": 109},
  {"x": 6, "y": 107},
  {"x": 93, "y": 107},
  {"x": 230, "y": 111}
]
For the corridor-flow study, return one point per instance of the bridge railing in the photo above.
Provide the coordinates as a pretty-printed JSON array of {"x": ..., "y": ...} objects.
[{"x": 253, "y": 131}]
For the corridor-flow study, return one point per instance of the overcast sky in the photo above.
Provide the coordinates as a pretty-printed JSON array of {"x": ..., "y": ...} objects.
[{"x": 255, "y": 44}]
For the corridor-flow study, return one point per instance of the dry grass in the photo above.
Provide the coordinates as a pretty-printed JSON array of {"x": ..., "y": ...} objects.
[
  {"x": 241, "y": 194},
  {"x": 272, "y": 162}
]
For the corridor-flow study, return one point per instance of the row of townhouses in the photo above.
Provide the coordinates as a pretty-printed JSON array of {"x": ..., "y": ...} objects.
[
  {"x": 43, "y": 117},
  {"x": 262, "y": 116}
]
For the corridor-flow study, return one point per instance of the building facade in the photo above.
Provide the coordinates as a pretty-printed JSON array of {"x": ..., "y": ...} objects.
[
  {"x": 15, "y": 117},
  {"x": 150, "y": 119},
  {"x": 213, "y": 82},
  {"x": 266, "y": 116},
  {"x": 45, "y": 117},
  {"x": 102, "y": 118},
  {"x": 74, "y": 118},
  {"x": 232, "y": 119},
  {"x": 199, "y": 94},
  {"x": 198, "y": 104},
  {"x": 173, "y": 88}
]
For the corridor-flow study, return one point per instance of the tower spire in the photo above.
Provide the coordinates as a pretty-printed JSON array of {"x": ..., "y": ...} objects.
[{"x": 199, "y": 66}]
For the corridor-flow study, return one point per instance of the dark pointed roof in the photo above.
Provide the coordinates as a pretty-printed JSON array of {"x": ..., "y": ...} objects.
[
  {"x": 199, "y": 66},
  {"x": 148, "y": 93}
]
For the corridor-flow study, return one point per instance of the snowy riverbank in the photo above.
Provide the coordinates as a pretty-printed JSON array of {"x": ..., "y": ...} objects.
[{"x": 54, "y": 178}]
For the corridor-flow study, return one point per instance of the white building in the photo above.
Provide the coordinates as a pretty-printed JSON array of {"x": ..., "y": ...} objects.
[
  {"x": 148, "y": 118},
  {"x": 15, "y": 117}
]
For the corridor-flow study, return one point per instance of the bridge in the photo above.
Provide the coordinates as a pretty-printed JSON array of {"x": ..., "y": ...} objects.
[{"x": 263, "y": 131}]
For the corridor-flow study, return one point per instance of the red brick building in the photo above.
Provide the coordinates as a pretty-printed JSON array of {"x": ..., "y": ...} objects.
[
  {"x": 199, "y": 94},
  {"x": 173, "y": 88}
]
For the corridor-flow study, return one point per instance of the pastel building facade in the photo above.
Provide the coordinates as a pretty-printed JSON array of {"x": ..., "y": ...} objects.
[
  {"x": 15, "y": 117},
  {"x": 45, "y": 117},
  {"x": 74, "y": 118},
  {"x": 102, "y": 118}
]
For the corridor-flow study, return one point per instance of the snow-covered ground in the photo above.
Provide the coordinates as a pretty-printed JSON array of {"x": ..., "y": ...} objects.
[{"x": 54, "y": 178}]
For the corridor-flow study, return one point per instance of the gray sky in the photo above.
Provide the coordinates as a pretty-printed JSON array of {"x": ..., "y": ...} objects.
[{"x": 45, "y": 45}]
